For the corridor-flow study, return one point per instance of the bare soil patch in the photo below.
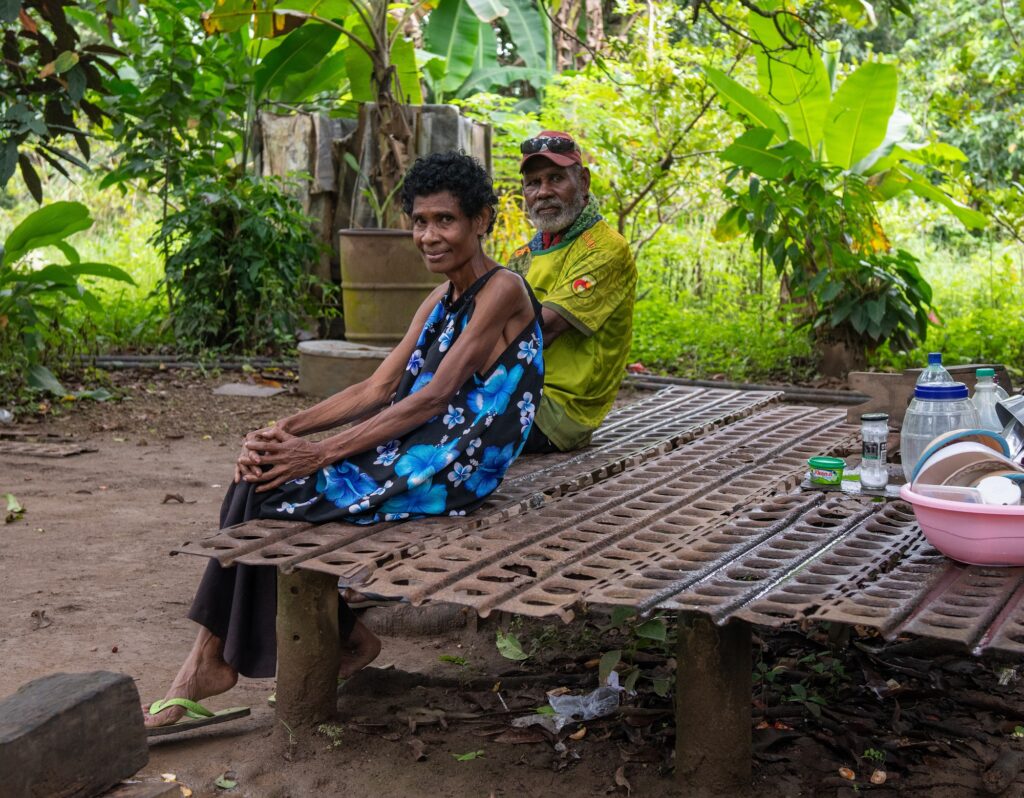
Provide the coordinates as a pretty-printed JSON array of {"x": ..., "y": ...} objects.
[{"x": 88, "y": 585}]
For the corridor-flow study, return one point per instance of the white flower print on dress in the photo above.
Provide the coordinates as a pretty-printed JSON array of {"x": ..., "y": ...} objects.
[
  {"x": 460, "y": 473},
  {"x": 288, "y": 507},
  {"x": 474, "y": 444},
  {"x": 527, "y": 409},
  {"x": 388, "y": 453},
  {"x": 528, "y": 350},
  {"x": 446, "y": 337},
  {"x": 454, "y": 417},
  {"x": 415, "y": 362}
]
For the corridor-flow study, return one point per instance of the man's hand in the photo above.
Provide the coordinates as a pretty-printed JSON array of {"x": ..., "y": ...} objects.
[{"x": 284, "y": 456}]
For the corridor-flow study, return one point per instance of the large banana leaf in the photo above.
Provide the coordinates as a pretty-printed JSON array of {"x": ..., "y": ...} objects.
[
  {"x": 795, "y": 78},
  {"x": 751, "y": 150},
  {"x": 743, "y": 104},
  {"x": 901, "y": 178},
  {"x": 487, "y": 10},
  {"x": 453, "y": 33},
  {"x": 48, "y": 225},
  {"x": 485, "y": 79},
  {"x": 486, "y": 55},
  {"x": 300, "y": 51},
  {"x": 359, "y": 68},
  {"x": 527, "y": 27},
  {"x": 859, "y": 113},
  {"x": 328, "y": 76}
]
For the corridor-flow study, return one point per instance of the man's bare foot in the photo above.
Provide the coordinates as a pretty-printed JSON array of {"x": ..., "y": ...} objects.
[
  {"x": 359, "y": 650},
  {"x": 203, "y": 674}
]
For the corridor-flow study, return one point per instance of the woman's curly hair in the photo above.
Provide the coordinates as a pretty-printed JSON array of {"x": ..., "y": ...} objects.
[{"x": 456, "y": 173}]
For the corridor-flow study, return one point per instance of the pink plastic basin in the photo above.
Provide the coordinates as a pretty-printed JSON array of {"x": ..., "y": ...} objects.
[{"x": 977, "y": 534}]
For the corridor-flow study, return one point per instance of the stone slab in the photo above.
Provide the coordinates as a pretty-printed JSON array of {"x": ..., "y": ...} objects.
[
  {"x": 247, "y": 389},
  {"x": 71, "y": 735},
  {"x": 326, "y": 367}
]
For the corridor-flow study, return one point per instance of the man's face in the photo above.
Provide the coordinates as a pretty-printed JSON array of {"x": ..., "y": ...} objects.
[{"x": 555, "y": 195}]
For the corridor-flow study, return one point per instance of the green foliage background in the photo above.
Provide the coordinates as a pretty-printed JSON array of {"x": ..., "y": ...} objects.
[{"x": 180, "y": 112}]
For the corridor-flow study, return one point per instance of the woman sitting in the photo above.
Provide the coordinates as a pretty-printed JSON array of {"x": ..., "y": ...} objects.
[{"x": 434, "y": 430}]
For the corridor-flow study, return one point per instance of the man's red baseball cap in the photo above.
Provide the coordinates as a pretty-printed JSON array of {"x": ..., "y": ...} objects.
[{"x": 558, "y": 147}]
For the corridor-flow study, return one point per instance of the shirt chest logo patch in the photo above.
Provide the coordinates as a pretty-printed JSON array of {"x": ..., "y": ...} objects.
[{"x": 584, "y": 286}]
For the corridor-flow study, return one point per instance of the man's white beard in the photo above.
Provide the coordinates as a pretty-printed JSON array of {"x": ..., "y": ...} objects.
[{"x": 566, "y": 215}]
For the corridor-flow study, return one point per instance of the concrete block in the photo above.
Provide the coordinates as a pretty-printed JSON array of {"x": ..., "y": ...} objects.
[
  {"x": 326, "y": 367},
  {"x": 71, "y": 735}
]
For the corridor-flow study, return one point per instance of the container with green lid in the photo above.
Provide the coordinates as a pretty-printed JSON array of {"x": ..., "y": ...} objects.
[{"x": 826, "y": 470}]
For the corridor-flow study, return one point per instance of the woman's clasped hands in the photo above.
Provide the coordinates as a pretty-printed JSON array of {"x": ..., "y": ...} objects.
[{"x": 270, "y": 457}]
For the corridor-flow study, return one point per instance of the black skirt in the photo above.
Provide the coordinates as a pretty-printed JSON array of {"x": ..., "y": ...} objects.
[{"x": 239, "y": 604}]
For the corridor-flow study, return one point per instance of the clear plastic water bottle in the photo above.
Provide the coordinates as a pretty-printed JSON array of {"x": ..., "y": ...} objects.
[
  {"x": 935, "y": 373},
  {"x": 935, "y": 410},
  {"x": 989, "y": 376},
  {"x": 986, "y": 394}
]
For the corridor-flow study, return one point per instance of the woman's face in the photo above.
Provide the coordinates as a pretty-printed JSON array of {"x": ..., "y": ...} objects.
[{"x": 447, "y": 238}]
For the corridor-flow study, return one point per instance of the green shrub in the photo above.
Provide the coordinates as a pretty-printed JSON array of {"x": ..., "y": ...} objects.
[
  {"x": 35, "y": 293},
  {"x": 236, "y": 273},
  {"x": 742, "y": 338}
]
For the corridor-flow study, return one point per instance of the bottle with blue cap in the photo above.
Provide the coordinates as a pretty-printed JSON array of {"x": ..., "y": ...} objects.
[
  {"x": 937, "y": 408},
  {"x": 935, "y": 373}
]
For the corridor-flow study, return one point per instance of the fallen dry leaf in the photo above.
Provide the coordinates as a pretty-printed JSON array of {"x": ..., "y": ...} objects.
[
  {"x": 168, "y": 777},
  {"x": 185, "y": 791},
  {"x": 579, "y": 735},
  {"x": 419, "y": 749},
  {"x": 622, "y": 781},
  {"x": 531, "y": 734},
  {"x": 39, "y": 620},
  {"x": 847, "y": 774}
]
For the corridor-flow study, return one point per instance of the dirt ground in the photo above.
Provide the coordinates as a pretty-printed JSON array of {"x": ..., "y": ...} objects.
[{"x": 88, "y": 585}]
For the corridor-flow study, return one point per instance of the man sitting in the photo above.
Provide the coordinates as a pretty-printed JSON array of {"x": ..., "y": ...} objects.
[{"x": 583, "y": 273}]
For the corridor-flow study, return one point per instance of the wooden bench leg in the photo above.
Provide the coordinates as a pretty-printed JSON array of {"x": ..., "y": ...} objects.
[
  {"x": 308, "y": 652},
  {"x": 713, "y": 692}
]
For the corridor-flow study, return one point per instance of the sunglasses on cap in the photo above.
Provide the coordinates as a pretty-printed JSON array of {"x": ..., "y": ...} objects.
[{"x": 547, "y": 144}]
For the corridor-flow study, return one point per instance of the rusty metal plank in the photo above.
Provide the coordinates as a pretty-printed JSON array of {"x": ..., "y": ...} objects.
[
  {"x": 631, "y": 434},
  {"x": 544, "y": 562}
]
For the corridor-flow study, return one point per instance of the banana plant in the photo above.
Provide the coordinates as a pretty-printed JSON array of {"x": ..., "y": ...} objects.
[
  {"x": 800, "y": 112},
  {"x": 31, "y": 295},
  {"x": 818, "y": 155}
]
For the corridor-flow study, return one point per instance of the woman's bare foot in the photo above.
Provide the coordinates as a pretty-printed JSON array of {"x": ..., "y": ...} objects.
[
  {"x": 203, "y": 674},
  {"x": 359, "y": 650}
]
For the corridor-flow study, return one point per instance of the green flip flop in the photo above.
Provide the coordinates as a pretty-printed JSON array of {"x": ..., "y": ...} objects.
[{"x": 196, "y": 716}]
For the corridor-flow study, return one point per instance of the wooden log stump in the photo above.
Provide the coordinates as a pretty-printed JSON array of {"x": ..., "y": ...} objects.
[
  {"x": 713, "y": 693},
  {"x": 308, "y": 649},
  {"x": 71, "y": 735}
]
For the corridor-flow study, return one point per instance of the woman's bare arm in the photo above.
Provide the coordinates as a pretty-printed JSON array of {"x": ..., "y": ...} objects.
[{"x": 366, "y": 397}]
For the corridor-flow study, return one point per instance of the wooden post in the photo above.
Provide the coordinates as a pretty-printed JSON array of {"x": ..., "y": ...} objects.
[
  {"x": 308, "y": 649},
  {"x": 713, "y": 694}
]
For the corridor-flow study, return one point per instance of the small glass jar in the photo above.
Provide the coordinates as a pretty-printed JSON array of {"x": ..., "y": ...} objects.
[{"x": 874, "y": 431}]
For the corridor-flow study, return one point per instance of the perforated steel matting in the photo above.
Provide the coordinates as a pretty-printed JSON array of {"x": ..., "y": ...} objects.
[
  {"x": 702, "y": 515},
  {"x": 633, "y": 434}
]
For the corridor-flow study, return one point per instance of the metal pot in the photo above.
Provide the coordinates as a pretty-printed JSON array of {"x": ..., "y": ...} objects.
[{"x": 1011, "y": 414}]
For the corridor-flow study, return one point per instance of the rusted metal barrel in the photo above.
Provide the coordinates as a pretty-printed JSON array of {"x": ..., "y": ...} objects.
[{"x": 383, "y": 282}]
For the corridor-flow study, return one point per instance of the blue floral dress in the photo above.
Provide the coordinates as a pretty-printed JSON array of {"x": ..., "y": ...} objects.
[{"x": 453, "y": 462}]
